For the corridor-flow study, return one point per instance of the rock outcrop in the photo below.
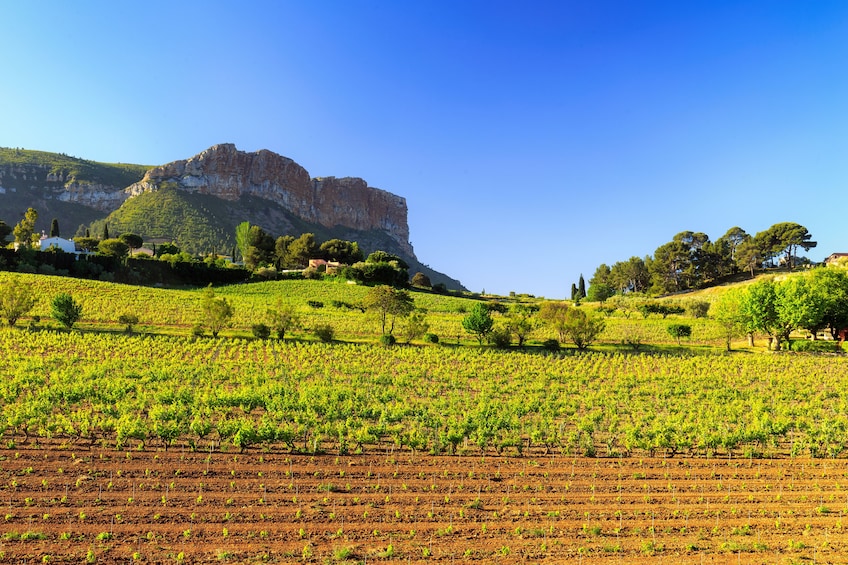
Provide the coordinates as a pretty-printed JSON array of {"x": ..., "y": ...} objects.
[{"x": 225, "y": 172}]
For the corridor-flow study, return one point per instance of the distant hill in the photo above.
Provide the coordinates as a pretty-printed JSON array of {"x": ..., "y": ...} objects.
[
  {"x": 197, "y": 202},
  {"x": 46, "y": 181}
]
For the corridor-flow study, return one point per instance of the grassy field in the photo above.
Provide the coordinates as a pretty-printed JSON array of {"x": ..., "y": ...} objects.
[{"x": 174, "y": 311}]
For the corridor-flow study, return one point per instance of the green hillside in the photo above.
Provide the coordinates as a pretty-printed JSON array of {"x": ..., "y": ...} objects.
[
  {"x": 200, "y": 223},
  {"x": 75, "y": 169},
  {"x": 24, "y": 176}
]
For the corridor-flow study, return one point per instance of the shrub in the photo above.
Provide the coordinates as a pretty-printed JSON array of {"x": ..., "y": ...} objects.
[
  {"x": 698, "y": 308},
  {"x": 311, "y": 273},
  {"x": 197, "y": 330},
  {"x": 551, "y": 345},
  {"x": 324, "y": 332},
  {"x": 387, "y": 340},
  {"x": 66, "y": 310},
  {"x": 679, "y": 330},
  {"x": 261, "y": 331},
  {"x": 315, "y": 304},
  {"x": 501, "y": 338},
  {"x": 128, "y": 320},
  {"x": 817, "y": 346},
  {"x": 421, "y": 280},
  {"x": 431, "y": 338}
]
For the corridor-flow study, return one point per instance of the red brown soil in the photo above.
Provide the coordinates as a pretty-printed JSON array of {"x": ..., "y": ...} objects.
[{"x": 70, "y": 504}]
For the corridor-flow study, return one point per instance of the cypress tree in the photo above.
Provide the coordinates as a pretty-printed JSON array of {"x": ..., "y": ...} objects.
[
  {"x": 54, "y": 228},
  {"x": 581, "y": 287},
  {"x": 105, "y": 231}
]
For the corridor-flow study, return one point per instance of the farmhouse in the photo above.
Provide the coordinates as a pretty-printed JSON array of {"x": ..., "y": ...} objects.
[
  {"x": 834, "y": 257},
  {"x": 330, "y": 266},
  {"x": 59, "y": 243}
]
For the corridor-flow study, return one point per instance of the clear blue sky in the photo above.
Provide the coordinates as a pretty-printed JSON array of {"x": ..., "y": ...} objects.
[{"x": 532, "y": 140}]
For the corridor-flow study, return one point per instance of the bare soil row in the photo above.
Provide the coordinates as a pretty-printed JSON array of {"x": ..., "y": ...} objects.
[{"x": 63, "y": 504}]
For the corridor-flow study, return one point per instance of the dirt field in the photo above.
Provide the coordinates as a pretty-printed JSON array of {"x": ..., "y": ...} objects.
[{"x": 76, "y": 505}]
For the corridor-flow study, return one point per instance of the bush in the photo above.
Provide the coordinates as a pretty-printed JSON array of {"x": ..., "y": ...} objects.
[
  {"x": 315, "y": 304},
  {"x": 698, "y": 308},
  {"x": 431, "y": 338},
  {"x": 311, "y": 273},
  {"x": 550, "y": 345},
  {"x": 387, "y": 340},
  {"x": 261, "y": 331},
  {"x": 128, "y": 320},
  {"x": 679, "y": 331},
  {"x": 501, "y": 338},
  {"x": 817, "y": 346},
  {"x": 66, "y": 310},
  {"x": 324, "y": 332},
  {"x": 197, "y": 330}
]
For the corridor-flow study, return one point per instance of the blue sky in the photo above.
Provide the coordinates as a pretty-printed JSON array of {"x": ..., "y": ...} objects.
[{"x": 532, "y": 140}]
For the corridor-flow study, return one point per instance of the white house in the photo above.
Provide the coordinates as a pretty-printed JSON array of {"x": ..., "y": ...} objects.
[{"x": 60, "y": 243}]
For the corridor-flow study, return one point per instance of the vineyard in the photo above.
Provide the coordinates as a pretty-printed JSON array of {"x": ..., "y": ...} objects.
[{"x": 165, "y": 448}]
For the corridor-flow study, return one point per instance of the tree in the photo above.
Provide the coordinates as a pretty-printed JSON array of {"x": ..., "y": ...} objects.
[
  {"x": 831, "y": 286},
  {"x": 770, "y": 307},
  {"x": 128, "y": 320},
  {"x": 5, "y": 231},
  {"x": 582, "y": 328},
  {"x": 421, "y": 280},
  {"x": 581, "y": 287},
  {"x": 16, "y": 299},
  {"x": 599, "y": 285},
  {"x": 105, "y": 231},
  {"x": 785, "y": 238},
  {"x": 729, "y": 314},
  {"x": 24, "y": 230},
  {"x": 520, "y": 323},
  {"x": 132, "y": 241},
  {"x": 679, "y": 331},
  {"x": 281, "y": 247},
  {"x": 113, "y": 248},
  {"x": 479, "y": 322},
  {"x": 554, "y": 314},
  {"x": 341, "y": 251},
  {"x": 87, "y": 243},
  {"x": 217, "y": 311},
  {"x": 259, "y": 249},
  {"x": 415, "y": 325},
  {"x": 727, "y": 246},
  {"x": 301, "y": 250},
  {"x": 54, "y": 228},
  {"x": 749, "y": 255},
  {"x": 66, "y": 310},
  {"x": 283, "y": 318},
  {"x": 575, "y": 297},
  {"x": 242, "y": 232},
  {"x": 389, "y": 303}
]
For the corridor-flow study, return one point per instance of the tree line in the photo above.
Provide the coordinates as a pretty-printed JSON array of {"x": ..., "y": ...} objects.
[
  {"x": 815, "y": 302},
  {"x": 691, "y": 260}
]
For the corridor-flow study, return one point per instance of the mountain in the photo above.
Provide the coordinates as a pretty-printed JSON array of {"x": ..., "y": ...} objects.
[{"x": 197, "y": 202}]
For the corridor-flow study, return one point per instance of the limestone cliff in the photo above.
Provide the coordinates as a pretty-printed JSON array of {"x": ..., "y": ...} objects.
[{"x": 225, "y": 172}]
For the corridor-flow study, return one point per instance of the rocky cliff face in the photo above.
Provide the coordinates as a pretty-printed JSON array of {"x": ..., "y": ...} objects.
[{"x": 225, "y": 172}]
